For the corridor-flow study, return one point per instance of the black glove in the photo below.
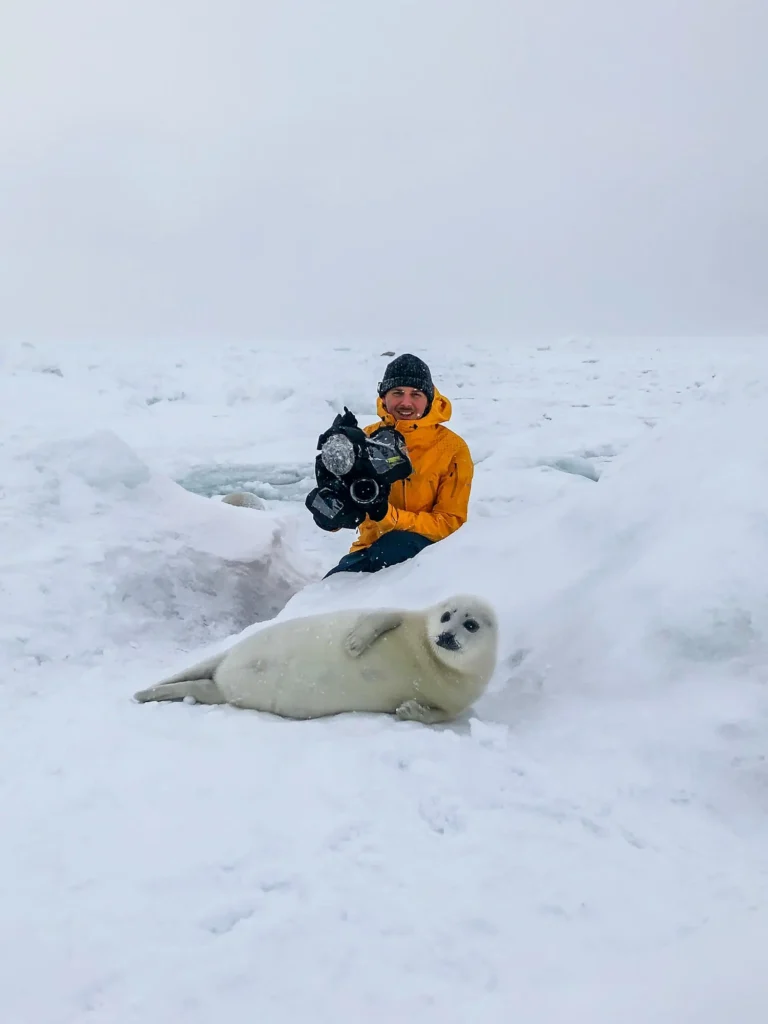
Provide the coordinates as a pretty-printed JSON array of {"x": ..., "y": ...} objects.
[{"x": 332, "y": 510}]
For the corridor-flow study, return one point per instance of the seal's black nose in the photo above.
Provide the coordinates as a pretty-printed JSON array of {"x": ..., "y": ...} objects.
[{"x": 448, "y": 641}]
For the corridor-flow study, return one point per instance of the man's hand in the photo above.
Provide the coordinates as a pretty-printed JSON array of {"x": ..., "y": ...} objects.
[
  {"x": 330, "y": 512},
  {"x": 378, "y": 511}
]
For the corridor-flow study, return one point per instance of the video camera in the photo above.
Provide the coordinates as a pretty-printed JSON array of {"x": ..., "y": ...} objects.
[{"x": 354, "y": 473}]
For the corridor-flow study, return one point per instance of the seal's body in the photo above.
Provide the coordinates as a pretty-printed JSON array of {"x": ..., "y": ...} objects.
[
  {"x": 424, "y": 665},
  {"x": 244, "y": 499}
]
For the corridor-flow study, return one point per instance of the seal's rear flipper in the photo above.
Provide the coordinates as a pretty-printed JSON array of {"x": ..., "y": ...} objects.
[
  {"x": 204, "y": 691},
  {"x": 202, "y": 670}
]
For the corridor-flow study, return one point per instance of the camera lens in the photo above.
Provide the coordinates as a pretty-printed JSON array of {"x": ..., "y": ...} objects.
[{"x": 364, "y": 492}]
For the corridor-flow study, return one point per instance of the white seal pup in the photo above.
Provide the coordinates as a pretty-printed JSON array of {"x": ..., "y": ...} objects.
[
  {"x": 244, "y": 499},
  {"x": 426, "y": 666}
]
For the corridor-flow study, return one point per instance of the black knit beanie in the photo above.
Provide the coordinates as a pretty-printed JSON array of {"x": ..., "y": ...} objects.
[{"x": 408, "y": 371}]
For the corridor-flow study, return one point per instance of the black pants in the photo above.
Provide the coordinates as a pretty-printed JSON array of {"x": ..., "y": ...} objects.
[{"x": 390, "y": 549}]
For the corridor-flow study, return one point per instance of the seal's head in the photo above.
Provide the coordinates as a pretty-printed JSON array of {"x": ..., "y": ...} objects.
[{"x": 463, "y": 631}]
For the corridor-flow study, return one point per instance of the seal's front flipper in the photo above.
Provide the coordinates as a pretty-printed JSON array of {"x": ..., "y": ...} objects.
[
  {"x": 203, "y": 691},
  {"x": 413, "y": 711},
  {"x": 367, "y": 630}
]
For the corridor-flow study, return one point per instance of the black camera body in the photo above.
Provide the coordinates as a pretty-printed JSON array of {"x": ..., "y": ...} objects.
[{"x": 355, "y": 472}]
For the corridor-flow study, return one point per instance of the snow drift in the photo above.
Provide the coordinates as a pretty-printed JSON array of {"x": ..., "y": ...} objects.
[
  {"x": 589, "y": 843},
  {"x": 155, "y": 563}
]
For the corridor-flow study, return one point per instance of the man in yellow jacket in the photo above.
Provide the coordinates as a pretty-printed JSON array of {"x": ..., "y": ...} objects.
[{"x": 432, "y": 502}]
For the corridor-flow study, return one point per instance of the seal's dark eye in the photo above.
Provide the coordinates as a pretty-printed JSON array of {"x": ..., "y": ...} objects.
[
  {"x": 472, "y": 625},
  {"x": 445, "y": 617}
]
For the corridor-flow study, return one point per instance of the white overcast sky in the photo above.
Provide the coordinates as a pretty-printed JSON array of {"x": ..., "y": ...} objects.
[{"x": 382, "y": 168}]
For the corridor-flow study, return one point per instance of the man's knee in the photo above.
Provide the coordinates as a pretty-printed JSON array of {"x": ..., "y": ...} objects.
[
  {"x": 353, "y": 561},
  {"x": 396, "y": 546},
  {"x": 390, "y": 549}
]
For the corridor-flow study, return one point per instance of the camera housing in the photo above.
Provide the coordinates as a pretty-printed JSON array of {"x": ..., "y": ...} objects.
[{"x": 355, "y": 472}]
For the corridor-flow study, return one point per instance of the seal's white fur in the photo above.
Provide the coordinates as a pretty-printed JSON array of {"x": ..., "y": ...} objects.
[
  {"x": 426, "y": 666},
  {"x": 244, "y": 499}
]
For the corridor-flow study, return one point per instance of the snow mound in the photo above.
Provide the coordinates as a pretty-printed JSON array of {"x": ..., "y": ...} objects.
[
  {"x": 650, "y": 575},
  {"x": 155, "y": 562},
  {"x": 623, "y": 586}
]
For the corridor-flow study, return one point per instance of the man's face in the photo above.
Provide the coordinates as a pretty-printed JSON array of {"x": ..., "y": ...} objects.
[{"x": 405, "y": 403}]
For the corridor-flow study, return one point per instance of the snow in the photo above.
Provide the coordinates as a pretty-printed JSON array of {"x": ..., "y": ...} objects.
[{"x": 588, "y": 843}]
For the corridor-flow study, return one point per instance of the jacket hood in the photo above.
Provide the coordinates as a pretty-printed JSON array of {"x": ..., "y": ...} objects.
[{"x": 440, "y": 412}]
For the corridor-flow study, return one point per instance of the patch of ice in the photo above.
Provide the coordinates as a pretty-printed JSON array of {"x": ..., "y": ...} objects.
[
  {"x": 290, "y": 482},
  {"x": 571, "y": 464}
]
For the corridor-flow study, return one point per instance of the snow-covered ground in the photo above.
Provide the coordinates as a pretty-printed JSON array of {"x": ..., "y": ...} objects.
[{"x": 588, "y": 844}]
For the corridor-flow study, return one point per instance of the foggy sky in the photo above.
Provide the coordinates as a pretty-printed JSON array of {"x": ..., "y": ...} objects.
[{"x": 382, "y": 168}]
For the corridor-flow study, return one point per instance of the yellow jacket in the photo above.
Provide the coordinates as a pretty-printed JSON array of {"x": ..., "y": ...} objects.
[{"x": 433, "y": 500}]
